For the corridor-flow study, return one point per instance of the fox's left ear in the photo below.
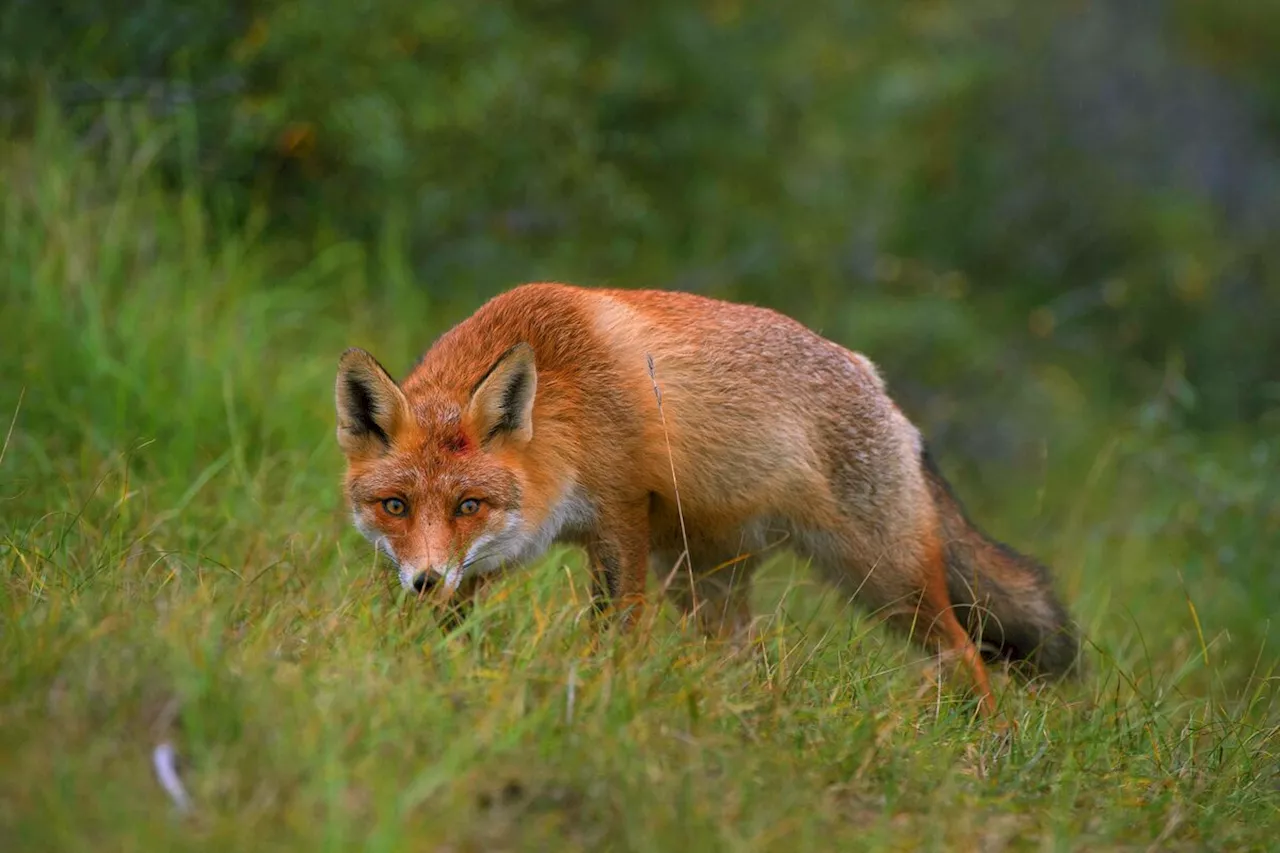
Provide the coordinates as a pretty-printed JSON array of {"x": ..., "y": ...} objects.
[
  {"x": 501, "y": 404},
  {"x": 371, "y": 407}
]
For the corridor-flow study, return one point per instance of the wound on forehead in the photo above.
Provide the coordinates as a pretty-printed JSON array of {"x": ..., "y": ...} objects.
[{"x": 457, "y": 443}]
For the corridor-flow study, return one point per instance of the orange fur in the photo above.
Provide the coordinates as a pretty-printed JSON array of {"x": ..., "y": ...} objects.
[{"x": 541, "y": 408}]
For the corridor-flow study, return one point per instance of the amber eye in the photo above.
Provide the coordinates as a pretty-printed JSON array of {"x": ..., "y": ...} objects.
[
  {"x": 394, "y": 506},
  {"x": 468, "y": 507}
]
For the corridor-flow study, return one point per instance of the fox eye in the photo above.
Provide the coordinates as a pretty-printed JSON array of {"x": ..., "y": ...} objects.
[
  {"x": 394, "y": 506},
  {"x": 468, "y": 507}
]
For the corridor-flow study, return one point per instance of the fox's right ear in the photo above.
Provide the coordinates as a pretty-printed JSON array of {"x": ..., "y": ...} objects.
[
  {"x": 501, "y": 405},
  {"x": 371, "y": 407}
]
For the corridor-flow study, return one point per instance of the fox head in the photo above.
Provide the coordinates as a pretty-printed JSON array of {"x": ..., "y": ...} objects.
[{"x": 435, "y": 482}]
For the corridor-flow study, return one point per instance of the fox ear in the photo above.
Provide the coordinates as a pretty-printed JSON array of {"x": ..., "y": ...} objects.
[
  {"x": 371, "y": 407},
  {"x": 502, "y": 403}
]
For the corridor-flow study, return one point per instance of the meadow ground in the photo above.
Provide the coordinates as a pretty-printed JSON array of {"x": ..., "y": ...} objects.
[{"x": 177, "y": 567}]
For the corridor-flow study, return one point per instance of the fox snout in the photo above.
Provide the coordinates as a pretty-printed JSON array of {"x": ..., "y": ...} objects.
[
  {"x": 436, "y": 583},
  {"x": 452, "y": 603}
]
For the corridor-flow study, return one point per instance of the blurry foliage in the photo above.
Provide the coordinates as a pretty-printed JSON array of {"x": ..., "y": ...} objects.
[
  {"x": 1240, "y": 39},
  {"x": 961, "y": 184}
]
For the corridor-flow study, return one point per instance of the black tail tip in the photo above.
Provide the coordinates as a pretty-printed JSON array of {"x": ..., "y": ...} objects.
[{"x": 1058, "y": 657}]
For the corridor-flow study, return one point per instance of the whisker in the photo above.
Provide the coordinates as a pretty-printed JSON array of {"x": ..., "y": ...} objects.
[
  {"x": 469, "y": 563},
  {"x": 483, "y": 555}
]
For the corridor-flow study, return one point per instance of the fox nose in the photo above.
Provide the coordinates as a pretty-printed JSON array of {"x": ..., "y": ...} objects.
[{"x": 425, "y": 581}]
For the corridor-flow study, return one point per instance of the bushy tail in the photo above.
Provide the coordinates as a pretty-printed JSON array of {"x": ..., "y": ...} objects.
[{"x": 1004, "y": 599}]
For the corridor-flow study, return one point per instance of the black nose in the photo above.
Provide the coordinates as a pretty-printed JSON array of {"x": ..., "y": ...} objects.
[{"x": 424, "y": 582}]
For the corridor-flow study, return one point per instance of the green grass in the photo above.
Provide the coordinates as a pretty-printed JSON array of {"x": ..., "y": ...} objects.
[{"x": 177, "y": 566}]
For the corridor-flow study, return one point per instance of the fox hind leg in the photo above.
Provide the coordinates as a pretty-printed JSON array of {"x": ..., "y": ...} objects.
[
  {"x": 944, "y": 628},
  {"x": 907, "y": 581}
]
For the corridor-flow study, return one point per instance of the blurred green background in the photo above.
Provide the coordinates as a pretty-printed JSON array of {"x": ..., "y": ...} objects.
[{"x": 962, "y": 189}]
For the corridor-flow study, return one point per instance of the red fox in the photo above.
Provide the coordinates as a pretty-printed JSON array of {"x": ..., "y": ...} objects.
[{"x": 656, "y": 428}]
